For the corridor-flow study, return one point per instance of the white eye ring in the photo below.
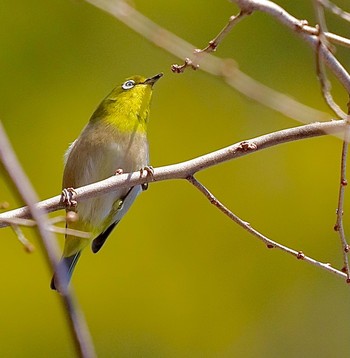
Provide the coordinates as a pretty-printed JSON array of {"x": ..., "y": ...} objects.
[{"x": 128, "y": 84}]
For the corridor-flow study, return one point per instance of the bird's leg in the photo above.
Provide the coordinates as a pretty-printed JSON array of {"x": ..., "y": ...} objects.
[
  {"x": 150, "y": 171},
  {"x": 68, "y": 197}
]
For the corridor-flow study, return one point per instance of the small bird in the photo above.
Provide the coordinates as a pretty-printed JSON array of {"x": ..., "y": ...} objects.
[{"x": 114, "y": 141}]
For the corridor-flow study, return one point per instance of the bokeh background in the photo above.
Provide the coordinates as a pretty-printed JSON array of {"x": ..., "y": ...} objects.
[{"x": 176, "y": 278}]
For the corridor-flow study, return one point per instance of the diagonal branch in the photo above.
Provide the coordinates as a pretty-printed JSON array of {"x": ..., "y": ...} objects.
[
  {"x": 212, "y": 45},
  {"x": 78, "y": 325},
  {"x": 268, "y": 242}
]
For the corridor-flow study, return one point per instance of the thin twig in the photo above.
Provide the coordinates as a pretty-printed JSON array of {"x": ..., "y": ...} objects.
[
  {"x": 336, "y": 39},
  {"x": 28, "y": 246},
  {"x": 321, "y": 19},
  {"x": 78, "y": 325},
  {"x": 227, "y": 69},
  {"x": 335, "y": 9},
  {"x": 211, "y": 47},
  {"x": 339, "y": 226},
  {"x": 187, "y": 168},
  {"x": 213, "y": 44},
  {"x": 320, "y": 70},
  {"x": 268, "y": 242},
  {"x": 58, "y": 230}
]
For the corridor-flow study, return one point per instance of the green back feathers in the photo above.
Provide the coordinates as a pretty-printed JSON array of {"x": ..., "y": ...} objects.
[{"x": 127, "y": 107}]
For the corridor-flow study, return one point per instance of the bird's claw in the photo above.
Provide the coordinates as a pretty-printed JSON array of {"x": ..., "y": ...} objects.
[
  {"x": 119, "y": 171},
  {"x": 150, "y": 171},
  {"x": 68, "y": 197}
]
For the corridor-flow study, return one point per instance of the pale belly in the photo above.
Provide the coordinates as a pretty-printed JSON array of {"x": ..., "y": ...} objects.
[{"x": 98, "y": 163}]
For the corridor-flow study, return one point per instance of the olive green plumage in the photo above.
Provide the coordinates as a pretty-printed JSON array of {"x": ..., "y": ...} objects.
[{"x": 115, "y": 138}]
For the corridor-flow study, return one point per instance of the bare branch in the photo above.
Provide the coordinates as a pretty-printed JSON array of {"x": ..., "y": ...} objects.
[
  {"x": 268, "y": 242},
  {"x": 187, "y": 168},
  {"x": 226, "y": 69},
  {"x": 78, "y": 325}
]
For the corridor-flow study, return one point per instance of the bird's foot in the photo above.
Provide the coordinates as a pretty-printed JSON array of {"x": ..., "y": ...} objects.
[
  {"x": 68, "y": 197},
  {"x": 119, "y": 171},
  {"x": 150, "y": 171}
]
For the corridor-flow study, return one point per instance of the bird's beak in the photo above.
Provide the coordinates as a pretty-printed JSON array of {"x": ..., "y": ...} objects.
[{"x": 152, "y": 80}]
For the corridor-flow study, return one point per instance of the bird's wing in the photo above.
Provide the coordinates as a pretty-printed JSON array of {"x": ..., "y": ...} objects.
[{"x": 115, "y": 217}]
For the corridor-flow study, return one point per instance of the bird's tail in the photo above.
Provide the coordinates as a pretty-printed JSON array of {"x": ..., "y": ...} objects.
[{"x": 67, "y": 264}]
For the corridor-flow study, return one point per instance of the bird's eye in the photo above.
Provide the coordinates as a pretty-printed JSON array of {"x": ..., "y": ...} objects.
[{"x": 128, "y": 84}]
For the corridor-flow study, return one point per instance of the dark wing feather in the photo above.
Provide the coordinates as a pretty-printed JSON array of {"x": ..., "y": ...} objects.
[
  {"x": 129, "y": 198},
  {"x": 98, "y": 242}
]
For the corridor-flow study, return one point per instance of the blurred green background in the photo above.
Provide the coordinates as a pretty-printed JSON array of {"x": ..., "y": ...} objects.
[{"x": 176, "y": 278}]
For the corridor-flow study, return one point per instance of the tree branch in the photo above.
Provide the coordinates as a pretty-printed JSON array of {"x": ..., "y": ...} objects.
[{"x": 187, "y": 168}]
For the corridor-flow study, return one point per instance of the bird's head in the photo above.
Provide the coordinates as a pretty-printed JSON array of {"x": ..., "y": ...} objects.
[{"x": 128, "y": 103}]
